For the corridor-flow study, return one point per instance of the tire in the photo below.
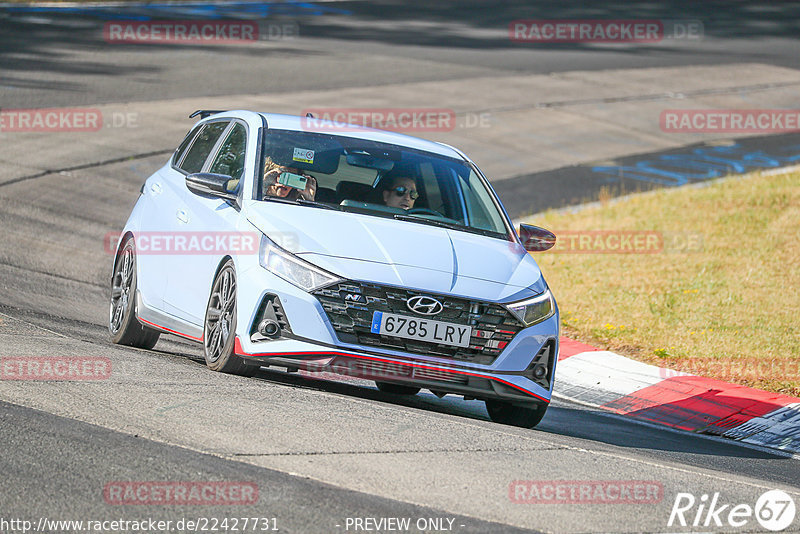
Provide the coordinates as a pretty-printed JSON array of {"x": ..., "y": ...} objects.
[
  {"x": 397, "y": 389},
  {"x": 124, "y": 327},
  {"x": 219, "y": 326},
  {"x": 506, "y": 413}
]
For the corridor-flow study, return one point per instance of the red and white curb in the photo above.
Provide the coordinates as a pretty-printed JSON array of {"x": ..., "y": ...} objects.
[{"x": 678, "y": 400}]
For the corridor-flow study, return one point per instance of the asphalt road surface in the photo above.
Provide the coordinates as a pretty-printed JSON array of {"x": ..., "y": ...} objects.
[
  {"x": 323, "y": 454},
  {"x": 57, "y": 58}
]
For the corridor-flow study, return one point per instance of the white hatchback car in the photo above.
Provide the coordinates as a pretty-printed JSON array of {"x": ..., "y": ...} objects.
[{"x": 287, "y": 241}]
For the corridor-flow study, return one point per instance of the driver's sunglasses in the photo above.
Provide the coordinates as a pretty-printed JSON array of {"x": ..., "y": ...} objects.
[{"x": 401, "y": 191}]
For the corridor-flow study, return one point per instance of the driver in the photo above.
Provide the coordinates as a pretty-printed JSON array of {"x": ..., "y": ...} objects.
[
  {"x": 273, "y": 189},
  {"x": 401, "y": 193}
]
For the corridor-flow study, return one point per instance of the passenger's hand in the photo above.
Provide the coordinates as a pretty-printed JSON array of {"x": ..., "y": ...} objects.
[{"x": 311, "y": 188}]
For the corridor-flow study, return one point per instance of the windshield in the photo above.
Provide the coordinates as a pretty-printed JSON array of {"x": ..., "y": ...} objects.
[{"x": 378, "y": 179}]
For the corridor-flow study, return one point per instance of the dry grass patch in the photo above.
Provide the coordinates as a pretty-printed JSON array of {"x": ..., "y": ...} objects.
[{"x": 730, "y": 310}]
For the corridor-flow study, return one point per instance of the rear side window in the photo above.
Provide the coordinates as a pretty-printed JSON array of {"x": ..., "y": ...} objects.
[
  {"x": 201, "y": 147},
  {"x": 184, "y": 144},
  {"x": 230, "y": 158}
]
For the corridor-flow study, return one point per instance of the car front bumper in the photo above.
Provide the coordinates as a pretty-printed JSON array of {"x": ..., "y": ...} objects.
[{"x": 309, "y": 342}]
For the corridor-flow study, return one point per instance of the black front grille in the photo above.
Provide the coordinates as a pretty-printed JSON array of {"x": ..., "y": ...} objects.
[{"x": 350, "y": 306}]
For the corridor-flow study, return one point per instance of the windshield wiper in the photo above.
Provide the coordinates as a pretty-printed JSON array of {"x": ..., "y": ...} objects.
[
  {"x": 432, "y": 222},
  {"x": 302, "y": 201},
  {"x": 316, "y": 204},
  {"x": 444, "y": 224}
]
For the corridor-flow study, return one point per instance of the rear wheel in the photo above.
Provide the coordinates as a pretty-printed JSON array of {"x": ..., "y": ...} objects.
[
  {"x": 506, "y": 413},
  {"x": 219, "y": 331},
  {"x": 123, "y": 326},
  {"x": 397, "y": 389}
]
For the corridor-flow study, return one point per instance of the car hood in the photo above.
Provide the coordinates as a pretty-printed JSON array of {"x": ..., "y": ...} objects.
[{"x": 400, "y": 253}]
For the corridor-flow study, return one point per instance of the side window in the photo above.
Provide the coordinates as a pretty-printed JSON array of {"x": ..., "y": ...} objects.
[
  {"x": 230, "y": 158},
  {"x": 480, "y": 208},
  {"x": 202, "y": 145},
  {"x": 185, "y": 143}
]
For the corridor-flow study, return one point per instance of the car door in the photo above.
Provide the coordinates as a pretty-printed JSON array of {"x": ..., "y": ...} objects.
[
  {"x": 163, "y": 198},
  {"x": 213, "y": 221},
  {"x": 178, "y": 259}
]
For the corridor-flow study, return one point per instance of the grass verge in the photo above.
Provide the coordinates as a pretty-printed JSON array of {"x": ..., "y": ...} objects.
[{"x": 708, "y": 283}]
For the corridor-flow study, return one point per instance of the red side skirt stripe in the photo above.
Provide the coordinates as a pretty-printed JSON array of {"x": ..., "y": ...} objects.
[{"x": 187, "y": 336}]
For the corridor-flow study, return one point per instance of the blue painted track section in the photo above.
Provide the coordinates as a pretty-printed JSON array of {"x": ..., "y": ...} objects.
[{"x": 188, "y": 11}]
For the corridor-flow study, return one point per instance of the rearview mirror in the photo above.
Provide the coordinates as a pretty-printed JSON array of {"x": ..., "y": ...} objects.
[
  {"x": 369, "y": 161},
  {"x": 210, "y": 184},
  {"x": 536, "y": 239}
]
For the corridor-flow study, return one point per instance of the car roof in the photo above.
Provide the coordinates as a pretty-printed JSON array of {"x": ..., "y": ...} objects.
[{"x": 280, "y": 121}]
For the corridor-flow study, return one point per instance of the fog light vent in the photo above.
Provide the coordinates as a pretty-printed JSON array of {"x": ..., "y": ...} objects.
[{"x": 270, "y": 321}]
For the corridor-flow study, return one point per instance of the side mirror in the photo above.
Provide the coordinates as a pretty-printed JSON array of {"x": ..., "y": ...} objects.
[
  {"x": 215, "y": 185},
  {"x": 536, "y": 239}
]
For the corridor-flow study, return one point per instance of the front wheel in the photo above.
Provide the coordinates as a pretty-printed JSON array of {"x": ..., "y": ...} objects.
[
  {"x": 506, "y": 413},
  {"x": 123, "y": 326},
  {"x": 219, "y": 331}
]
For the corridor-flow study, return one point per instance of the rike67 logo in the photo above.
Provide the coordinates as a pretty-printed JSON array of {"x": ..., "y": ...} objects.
[{"x": 774, "y": 510}]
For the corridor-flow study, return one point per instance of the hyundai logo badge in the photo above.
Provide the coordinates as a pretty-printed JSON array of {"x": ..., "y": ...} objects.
[{"x": 424, "y": 305}]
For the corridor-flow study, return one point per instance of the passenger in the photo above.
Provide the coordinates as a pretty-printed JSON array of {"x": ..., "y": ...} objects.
[
  {"x": 272, "y": 188},
  {"x": 401, "y": 193}
]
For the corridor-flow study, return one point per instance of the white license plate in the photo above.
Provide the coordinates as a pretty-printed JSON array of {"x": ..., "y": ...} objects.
[{"x": 389, "y": 324}]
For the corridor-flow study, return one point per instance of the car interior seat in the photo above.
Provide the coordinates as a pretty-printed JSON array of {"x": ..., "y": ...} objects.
[
  {"x": 347, "y": 190},
  {"x": 327, "y": 195}
]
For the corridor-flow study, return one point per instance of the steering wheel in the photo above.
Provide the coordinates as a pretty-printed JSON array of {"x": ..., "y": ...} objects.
[{"x": 424, "y": 211}]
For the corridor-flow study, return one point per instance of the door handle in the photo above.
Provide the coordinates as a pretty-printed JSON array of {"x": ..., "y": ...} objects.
[{"x": 182, "y": 216}]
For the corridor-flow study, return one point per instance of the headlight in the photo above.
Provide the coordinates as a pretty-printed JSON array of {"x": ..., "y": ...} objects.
[
  {"x": 291, "y": 268},
  {"x": 534, "y": 310}
]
